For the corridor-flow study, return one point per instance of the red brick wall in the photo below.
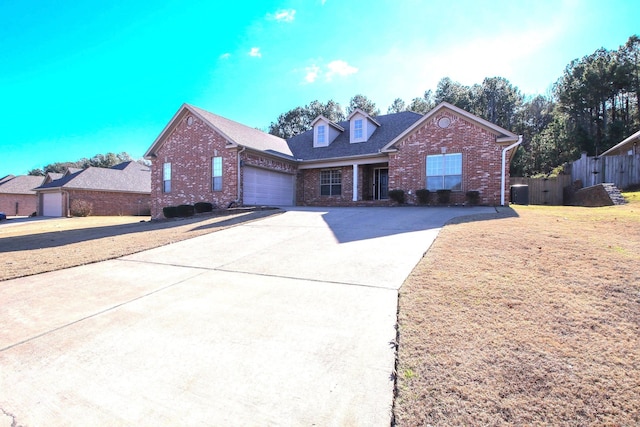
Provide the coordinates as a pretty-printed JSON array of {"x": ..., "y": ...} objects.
[
  {"x": 190, "y": 149},
  {"x": 481, "y": 158},
  {"x": 27, "y": 204},
  {"x": 309, "y": 183},
  {"x": 111, "y": 203}
]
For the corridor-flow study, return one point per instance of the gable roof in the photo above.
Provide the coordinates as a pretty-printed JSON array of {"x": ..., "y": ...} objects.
[
  {"x": 503, "y": 136},
  {"x": 6, "y": 178},
  {"x": 130, "y": 177},
  {"x": 364, "y": 113},
  {"x": 624, "y": 146},
  {"x": 333, "y": 124},
  {"x": 235, "y": 133},
  {"x": 22, "y": 184},
  {"x": 390, "y": 126}
]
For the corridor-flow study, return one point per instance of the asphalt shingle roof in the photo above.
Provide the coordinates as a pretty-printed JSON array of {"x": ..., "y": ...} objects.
[
  {"x": 245, "y": 135},
  {"x": 126, "y": 177},
  {"x": 391, "y": 125},
  {"x": 22, "y": 184}
]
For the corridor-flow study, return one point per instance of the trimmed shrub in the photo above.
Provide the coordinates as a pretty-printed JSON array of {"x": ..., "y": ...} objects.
[
  {"x": 423, "y": 196},
  {"x": 443, "y": 196},
  {"x": 397, "y": 196},
  {"x": 81, "y": 208},
  {"x": 473, "y": 197},
  {"x": 185, "y": 210},
  {"x": 201, "y": 207},
  {"x": 170, "y": 212}
]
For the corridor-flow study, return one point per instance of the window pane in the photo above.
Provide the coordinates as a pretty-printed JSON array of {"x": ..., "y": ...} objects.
[
  {"x": 217, "y": 166},
  {"x": 321, "y": 134},
  {"x": 453, "y": 164},
  {"x": 166, "y": 171},
  {"x": 217, "y": 183},
  {"x": 434, "y": 183},
  {"x": 336, "y": 189},
  {"x": 453, "y": 182},
  {"x": 434, "y": 165},
  {"x": 325, "y": 190},
  {"x": 357, "y": 129}
]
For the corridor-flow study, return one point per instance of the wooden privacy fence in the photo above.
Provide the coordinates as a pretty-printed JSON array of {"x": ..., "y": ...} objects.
[
  {"x": 544, "y": 191},
  {"x": 623, "y": 171}
]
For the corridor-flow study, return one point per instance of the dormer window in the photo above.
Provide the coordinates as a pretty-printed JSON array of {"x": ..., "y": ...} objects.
[
  {"x": 324, "y": 131},
  {"x": 361, "y": 125},
  {"x": 322, "y": 137},
  {"x": 357, "y": 129}
]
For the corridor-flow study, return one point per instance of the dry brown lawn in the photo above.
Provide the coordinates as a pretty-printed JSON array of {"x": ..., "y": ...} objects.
[
  {"x": 46, "y": 245},
  {"x": 528, "y": 319}
]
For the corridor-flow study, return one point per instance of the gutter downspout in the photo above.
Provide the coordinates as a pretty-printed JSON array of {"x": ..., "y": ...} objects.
[
  {"x": 504, "y": 162},
  {"x": 239, "y": 176}
]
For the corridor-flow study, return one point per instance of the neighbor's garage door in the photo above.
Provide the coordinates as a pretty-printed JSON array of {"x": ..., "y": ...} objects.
[
  {"x": 52, "y": 204},
  {"x": 264, "y": 187}
]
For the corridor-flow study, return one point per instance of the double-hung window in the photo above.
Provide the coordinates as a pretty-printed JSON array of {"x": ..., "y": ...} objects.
[
  {"x": 357, "y": 129},
  {"x": 166, "y": 177},
  {"x": 322, "y": 137},
  {"x": 444, "y": 172},
  {"x": 216, "y": 174},
  {"x": 331, "y": 182}
]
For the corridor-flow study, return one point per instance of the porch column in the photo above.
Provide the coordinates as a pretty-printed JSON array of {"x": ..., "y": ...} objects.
[{"x": 355, "y": 182}]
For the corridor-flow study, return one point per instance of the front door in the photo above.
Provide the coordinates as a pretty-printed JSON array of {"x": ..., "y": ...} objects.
[{"x": 381, "y": 184}]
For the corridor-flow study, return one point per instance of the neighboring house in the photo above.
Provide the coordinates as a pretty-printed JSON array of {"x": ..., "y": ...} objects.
[
  {"x": 123, "y": 189},
  {"x": 200, "y": 156},
  {"x": 17, "y": 196},
  {"x": 627, "y": 147}
]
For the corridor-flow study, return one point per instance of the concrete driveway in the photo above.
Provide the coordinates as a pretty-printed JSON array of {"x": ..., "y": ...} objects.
[{"x": 288, "y": 320}]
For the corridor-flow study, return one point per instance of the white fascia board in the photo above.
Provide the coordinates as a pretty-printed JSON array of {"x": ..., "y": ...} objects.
[{"x": 345, "y": 161}]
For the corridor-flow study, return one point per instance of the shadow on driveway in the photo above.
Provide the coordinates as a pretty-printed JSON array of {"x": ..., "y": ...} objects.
[
  {"x": 373, "y": 223},
  {"x": 60, "y": 238}
]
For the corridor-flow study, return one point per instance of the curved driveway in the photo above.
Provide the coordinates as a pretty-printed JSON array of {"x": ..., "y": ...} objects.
[{"x": 288, "y": 320}]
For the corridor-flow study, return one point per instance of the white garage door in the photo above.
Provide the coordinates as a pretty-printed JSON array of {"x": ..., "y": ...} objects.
[
  {"x": 52, "y": 204},
  {"x": 264, "y": 187}
]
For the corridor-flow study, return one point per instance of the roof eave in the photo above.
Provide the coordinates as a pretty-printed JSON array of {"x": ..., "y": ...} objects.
[
  {"x": 507, "y": 135},
  {"x": 635, "y": 136}
]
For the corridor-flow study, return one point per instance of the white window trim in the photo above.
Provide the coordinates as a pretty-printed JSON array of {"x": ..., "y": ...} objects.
[
  {"x": 213, "y": 174},
  {"x": 444, "y": 174},
  {"x": 332, "y": 183},
  {"x": 166, "y": 177}
]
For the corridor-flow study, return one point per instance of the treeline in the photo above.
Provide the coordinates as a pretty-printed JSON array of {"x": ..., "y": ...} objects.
[
  {"x": 99, "y": 160},
  {"x": 593, "y": 106}
]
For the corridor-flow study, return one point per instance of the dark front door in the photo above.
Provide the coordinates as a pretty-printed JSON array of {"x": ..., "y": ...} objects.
[{"x": 381, "y": 184}]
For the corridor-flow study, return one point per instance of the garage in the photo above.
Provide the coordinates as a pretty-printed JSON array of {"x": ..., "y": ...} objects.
[
  {"x": 266, "y": 187},
  {"x": 52, "y": 204}
]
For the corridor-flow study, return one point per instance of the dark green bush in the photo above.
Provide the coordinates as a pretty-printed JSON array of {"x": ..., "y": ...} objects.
[
  {"x": 397, "y": 196},
  {"x": 170, "y": 212},
  {"x": 473, "y": 197},
  {"x": 443, "y": 196},
  {"x": 423, "y": 196},
  {"x": 203, "y": 207},
  {"x": 186, "y": 210}
]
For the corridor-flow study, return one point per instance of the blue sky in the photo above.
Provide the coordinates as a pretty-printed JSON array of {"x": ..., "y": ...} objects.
[{"x": 79, "y": 78}]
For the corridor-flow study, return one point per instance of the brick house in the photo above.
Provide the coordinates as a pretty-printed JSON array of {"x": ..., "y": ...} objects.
[
  {"x": 17, "y": 196},
  {"x": 123, "y": 189},
  {"x": 200, "y": 156}
]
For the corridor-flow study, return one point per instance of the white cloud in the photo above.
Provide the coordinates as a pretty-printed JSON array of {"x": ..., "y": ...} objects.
[
  {"x": 226, "y": 55},
  {"x": 312, "y": 73},
  {"x": 340, "y": 68},
  {"x": 334, "y": 68},
  {"x": 255, "y": 52},
  {"x": 285, "y": 15}
]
